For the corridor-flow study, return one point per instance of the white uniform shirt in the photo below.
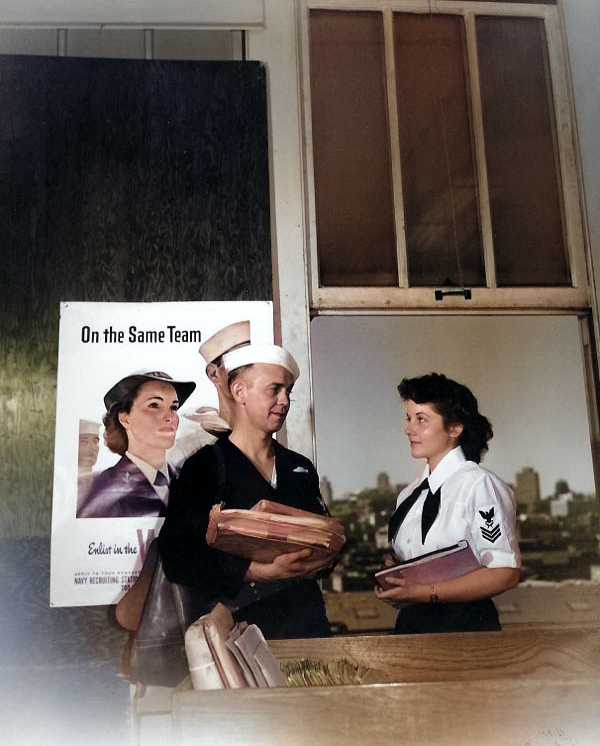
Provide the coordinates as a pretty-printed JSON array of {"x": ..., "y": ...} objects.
[{"x": 475, "y": 505}]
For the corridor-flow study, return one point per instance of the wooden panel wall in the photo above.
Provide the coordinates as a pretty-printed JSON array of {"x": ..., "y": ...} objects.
[{"x": 120, "y": 180}]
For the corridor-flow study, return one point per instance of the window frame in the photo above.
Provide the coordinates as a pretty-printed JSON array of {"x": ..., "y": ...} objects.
[{"x": 402, "y": 298}]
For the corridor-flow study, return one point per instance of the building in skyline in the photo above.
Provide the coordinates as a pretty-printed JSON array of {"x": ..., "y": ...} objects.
[
  {"x": 527, "y": 489},
  {"x": 559, "y": 506},
  {"x": 383, "y": 482}
]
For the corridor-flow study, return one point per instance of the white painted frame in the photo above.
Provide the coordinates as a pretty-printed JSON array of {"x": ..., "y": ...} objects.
[
  {"x": 401, "y": 298},
  {"x": 278, "y": 49}
]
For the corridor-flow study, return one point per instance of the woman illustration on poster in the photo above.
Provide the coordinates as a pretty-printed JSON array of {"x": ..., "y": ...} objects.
[{"x": 141, "y": 422}]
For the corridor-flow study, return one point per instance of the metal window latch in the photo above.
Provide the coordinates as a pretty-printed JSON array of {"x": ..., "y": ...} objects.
[{"x": 465, "y": 292}]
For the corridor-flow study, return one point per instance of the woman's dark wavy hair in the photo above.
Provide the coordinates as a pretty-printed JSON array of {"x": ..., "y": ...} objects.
[
  {"x": 456, "y": 404},
  {"x": 115, "y": 435}
]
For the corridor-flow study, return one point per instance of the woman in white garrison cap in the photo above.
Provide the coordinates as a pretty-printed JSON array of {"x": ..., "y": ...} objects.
[{"x": 281, "y": 597}]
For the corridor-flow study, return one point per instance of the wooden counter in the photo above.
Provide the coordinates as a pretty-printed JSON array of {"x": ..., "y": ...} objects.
[
  {"x": 565, "y": 652},
  {"x": 523, "y": 687}
]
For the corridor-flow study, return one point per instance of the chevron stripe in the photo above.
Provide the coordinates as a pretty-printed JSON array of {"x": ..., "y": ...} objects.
[{"x": 491, "y": 535}]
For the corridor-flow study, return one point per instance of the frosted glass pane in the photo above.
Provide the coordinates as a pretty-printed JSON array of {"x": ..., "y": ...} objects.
[
  {"x": 353, "y": 194},
  {"x": 438, "y": 174},
  {"x": 523, "y": 173}
]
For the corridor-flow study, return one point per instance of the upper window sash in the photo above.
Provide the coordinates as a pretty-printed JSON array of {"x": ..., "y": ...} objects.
[{"x": 489, "y": 296}]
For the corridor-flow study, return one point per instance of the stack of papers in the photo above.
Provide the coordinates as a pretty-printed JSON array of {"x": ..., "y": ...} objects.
[
  {"x": 225, "y": 655},
  {"x": 270, "y": 529}
]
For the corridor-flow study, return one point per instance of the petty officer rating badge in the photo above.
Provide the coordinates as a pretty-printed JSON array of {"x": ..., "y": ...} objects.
[{"x": 489, "y": 531}]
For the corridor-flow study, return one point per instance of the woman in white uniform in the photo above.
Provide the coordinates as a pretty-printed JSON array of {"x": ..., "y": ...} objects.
[{"x": 459, "y": 500}]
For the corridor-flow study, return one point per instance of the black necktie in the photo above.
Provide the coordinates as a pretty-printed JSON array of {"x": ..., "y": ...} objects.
[
  {"x": 402, "y": 509},
  {"x": 431, "y": 508},
  {"x": 160, "y": 479}
]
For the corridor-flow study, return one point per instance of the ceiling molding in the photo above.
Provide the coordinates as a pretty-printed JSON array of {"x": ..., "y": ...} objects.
[{"x": 239, "y": 14}]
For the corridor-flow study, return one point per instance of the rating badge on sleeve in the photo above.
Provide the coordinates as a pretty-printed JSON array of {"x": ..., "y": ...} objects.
[{"x": 489, "y": 531}]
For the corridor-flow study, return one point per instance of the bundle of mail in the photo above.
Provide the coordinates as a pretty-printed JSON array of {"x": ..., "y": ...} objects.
[
  {"x": 224, "y": 655},
  {"x": 269, "y": 529}
]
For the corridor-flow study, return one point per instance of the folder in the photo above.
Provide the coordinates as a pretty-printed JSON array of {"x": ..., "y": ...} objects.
[{"x": 433, "y": 567}]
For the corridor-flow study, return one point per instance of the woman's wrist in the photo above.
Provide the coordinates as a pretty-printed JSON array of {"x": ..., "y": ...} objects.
[{"x": 423, "y": 594}]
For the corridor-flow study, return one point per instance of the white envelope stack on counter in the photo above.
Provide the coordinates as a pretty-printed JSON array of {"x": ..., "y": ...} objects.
[{"x": 225, "y": 655}]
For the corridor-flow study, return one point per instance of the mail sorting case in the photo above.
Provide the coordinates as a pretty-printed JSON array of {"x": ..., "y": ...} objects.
[{"x": 518, "y": 686}]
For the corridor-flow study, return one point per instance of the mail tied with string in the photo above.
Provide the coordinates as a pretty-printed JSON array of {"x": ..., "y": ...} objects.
[{"x": 270, "y": 529}]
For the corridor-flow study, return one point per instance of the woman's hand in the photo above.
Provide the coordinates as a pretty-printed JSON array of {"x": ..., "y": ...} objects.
[
  {"x": 403, "y": 592},
  {"x": 286, "y": 566},
  {"x": 482, "y": 583}
]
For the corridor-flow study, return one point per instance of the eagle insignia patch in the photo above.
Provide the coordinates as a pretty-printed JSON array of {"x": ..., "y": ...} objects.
[{"x": 489, "y": 531}]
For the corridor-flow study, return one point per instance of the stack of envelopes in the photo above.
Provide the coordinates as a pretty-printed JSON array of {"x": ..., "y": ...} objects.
[{"x": 225, "y": 655}]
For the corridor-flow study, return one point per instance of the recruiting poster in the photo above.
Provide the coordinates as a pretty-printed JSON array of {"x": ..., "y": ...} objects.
[{"x": 94, "y": 559}]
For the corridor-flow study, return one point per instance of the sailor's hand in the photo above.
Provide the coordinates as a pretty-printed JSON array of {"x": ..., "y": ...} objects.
[{"x": 298, "y": 564}]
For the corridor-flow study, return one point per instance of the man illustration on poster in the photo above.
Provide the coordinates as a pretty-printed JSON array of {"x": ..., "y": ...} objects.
[{"x": 87, "y": 455}]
